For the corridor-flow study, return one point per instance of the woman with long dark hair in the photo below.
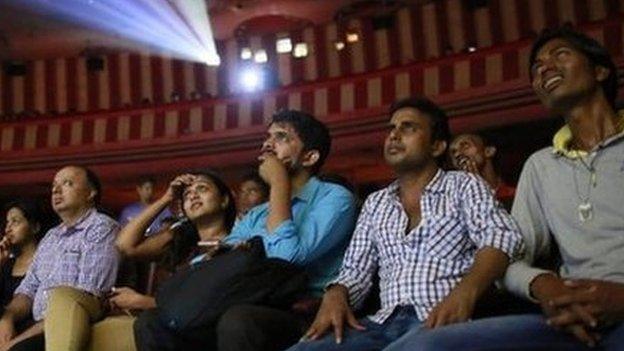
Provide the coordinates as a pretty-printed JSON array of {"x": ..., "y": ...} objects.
[
  {"x": 23, "y": 227},
  {"x": 22, "y": 231},
  {"x": 210, "y": 212}
]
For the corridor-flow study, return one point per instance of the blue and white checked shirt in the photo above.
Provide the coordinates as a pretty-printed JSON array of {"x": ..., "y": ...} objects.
[
  {"x": 82, "y": 256},
  {"x": 420, "y": 268}
]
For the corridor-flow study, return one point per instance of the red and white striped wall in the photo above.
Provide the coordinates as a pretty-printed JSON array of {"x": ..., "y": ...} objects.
[
  {"x": 420, "y": 33},
  {"x": 63, "y": 85},
  {"x": 448, "y": 80}
]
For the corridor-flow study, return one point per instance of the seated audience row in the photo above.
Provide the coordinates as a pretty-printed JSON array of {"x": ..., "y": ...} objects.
[
  {"x": 567, "y": 199},
  {"x": 437, "y": 241}
]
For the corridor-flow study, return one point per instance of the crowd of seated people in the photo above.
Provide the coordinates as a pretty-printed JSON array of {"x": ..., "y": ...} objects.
[{"x": 433, "y": 244}]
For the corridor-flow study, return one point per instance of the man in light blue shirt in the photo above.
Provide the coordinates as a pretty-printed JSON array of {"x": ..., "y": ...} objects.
[
  {"x": 306, "y": 221},
  {"x": 315, "y": 236}
]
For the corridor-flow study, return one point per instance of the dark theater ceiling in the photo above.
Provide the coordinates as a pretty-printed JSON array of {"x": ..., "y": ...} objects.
[{"x": 25, "y": 34}]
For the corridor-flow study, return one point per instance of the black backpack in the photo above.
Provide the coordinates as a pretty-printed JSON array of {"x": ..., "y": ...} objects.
[{"x": 198, "y": 296}]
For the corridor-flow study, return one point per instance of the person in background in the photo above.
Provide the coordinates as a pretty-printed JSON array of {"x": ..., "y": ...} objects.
[
  {"x": 131, "y": 272},
  {"x": 145, "y": 191},
  {"x": 474, "y": 153},
  {"x": 253, "y": 191}
]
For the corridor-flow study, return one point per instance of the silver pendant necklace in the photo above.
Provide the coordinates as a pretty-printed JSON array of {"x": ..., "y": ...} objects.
[
  {"x": 585, "y": 208},
  {"x": 585, "y": 211}
]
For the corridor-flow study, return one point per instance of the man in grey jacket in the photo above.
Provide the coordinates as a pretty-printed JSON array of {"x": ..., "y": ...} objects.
[{"x": 570, "y": 197}]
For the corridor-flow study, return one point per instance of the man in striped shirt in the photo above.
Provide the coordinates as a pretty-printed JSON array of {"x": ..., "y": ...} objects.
[{"x": 438, "y": 240}]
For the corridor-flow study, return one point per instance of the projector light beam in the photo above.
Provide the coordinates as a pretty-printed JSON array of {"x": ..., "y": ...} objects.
[{"x": 178, "y": 27}]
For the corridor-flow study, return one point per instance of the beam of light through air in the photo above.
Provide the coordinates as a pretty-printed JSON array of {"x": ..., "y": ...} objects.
[{"x": 179, "y": 27}]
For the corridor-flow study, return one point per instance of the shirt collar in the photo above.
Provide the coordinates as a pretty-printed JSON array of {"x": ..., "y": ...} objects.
[
  {"x": 80, "y": 224},
  {"x": 434, "y": 185},
  {"x": 562, "y": 139},
  {"x": 309, "y": 189}
]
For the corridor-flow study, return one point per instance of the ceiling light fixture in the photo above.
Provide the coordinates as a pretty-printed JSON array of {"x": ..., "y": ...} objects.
[
  {"x": 301, "y": 50},
  {"x": 352, "y": 37},
  {"x": 283, "y": 45},
  {"x": 261, "y": 56},
  {"x": 246, "y": 54}
]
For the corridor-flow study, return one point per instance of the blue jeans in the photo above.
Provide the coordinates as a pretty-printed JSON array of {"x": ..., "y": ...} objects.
[
  {"x": 375, "y": 337},
  {"x": 515, "y": 332}
]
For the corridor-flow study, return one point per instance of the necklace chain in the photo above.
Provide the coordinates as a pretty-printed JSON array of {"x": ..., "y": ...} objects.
[
  {"x": 590, "y": 183},
  {"x": 585, "y": 208}
]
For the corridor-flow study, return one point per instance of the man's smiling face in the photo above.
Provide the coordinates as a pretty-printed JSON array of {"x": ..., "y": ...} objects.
[{"x": 561, "y": 74}]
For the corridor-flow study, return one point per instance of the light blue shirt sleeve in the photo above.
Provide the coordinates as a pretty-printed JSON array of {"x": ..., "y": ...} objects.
[
  {"x": 319, "y": 224},
  {"x": 245, "y": 228},
  {"x": 124, "y": 217},
  {"x": 97, "y": 267},
  {"x": 326, "y": 224}
]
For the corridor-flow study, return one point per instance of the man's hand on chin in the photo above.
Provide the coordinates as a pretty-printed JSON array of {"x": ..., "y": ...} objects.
[{"x": 272, "y": 170}]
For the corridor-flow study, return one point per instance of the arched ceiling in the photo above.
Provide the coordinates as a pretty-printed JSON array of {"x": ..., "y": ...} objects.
[{"x": 26, "y": 35}]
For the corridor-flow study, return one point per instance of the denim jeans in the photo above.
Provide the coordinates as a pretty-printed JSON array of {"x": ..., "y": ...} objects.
[
  {"x": 515, "y": 332},
  {"x": 375, "y": 337}
]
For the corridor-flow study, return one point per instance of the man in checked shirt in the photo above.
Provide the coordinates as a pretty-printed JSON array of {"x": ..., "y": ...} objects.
[
  {"x": 75, "y": 264},
  {"x": 569, "y": 198},
  {"x": 438, "y": 239}
]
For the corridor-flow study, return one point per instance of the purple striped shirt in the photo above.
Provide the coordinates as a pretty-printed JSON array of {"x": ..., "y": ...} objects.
[
  {"x": 420, "y": 267},
  {"x": 82, "y": 256}
]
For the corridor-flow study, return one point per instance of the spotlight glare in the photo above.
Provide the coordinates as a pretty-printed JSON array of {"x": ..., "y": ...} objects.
[
  {"x": 251, "y": 79},
  {"x": 339, "y": 45},
  {"x": 261, "y": 56},
  {"x": 301, "y": 50},
  {"x": 246, "y": 54},
  {"x": 472, "y": 49},
  {"x": 283, "y": 45}
]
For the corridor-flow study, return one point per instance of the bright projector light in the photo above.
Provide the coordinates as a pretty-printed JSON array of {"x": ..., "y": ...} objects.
[
  {"x": 251, "y": 79},
  {"x": 180, "y": 28},
  {"x": 212, "y": 60}
]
